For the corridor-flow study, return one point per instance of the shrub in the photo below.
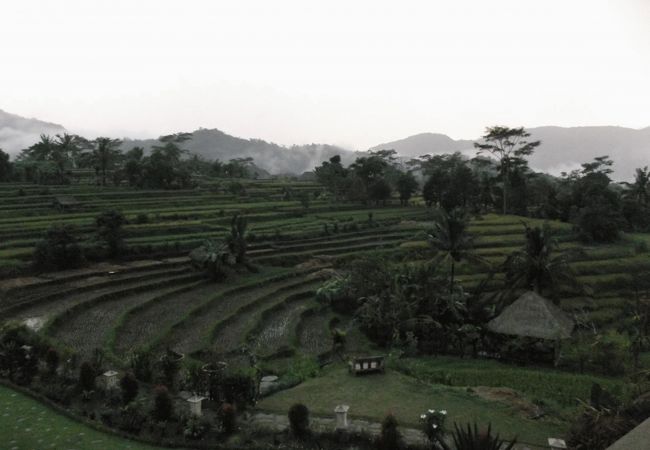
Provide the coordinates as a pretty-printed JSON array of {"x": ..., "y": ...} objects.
[
  {"x": 87, "y": 377},
  {"x": 142, "y": 366},
  {"x": 228, "y": 418},
  {"x": 142, "y": 218},
  {"x": 51, "y": 360},
  {"x": 390, "y": 438},
  {"x": 163, "y": 406},
  {"x": 473, "y": 439},
  {"x": 59, "y": 250},
  {"x": 131, "y": 417},
  {"x": 129, "y": 386},
  {"x": 433, "y": 424},
  {"x": 196, "y": 427},
  {"x": 299, "y": 420}
]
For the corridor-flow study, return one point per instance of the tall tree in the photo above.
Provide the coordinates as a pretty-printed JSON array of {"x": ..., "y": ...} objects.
[
  {"x": 450, "y": 238},
  {"x": 5, "y": 166},
  {"x": 540, "y": 265},
  {"x": 332, "y": 175},
  {"x": 639, "y": 191},
  {"x": 510, "y": 146},
  {"x": 70, "y": 147},
  {"x": 407, "y": 185},
  {"x": 104, "y": 155}
]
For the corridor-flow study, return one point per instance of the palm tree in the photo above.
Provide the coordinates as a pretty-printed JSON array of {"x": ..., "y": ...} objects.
[
  {"x": 539, "y": 265},
  {"x": 449, "y": 237},
  {"x": 69, "y": 146},
  {"x": 104, "y": 154},
  {"x": 639, "y": 191}
]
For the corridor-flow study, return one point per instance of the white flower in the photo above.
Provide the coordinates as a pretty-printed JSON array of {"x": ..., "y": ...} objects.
[
  {"x": 434, "y": 426},
  {"x": 431, "y": 411},
  {"x": 443, "y": 412},
  {"x": 423, "y": 416}
]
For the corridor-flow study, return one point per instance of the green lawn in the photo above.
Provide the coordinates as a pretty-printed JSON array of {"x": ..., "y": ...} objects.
[
  {"x": 28, "y": 424},
  {"x": 373, "y": 396}
]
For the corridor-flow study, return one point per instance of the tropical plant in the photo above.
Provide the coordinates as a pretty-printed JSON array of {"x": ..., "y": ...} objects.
[
  {"x": 540, "y": 265},
  {"x": 471, "y": 438},
  {"x": 104, "y": 154},
  {"x": 451, "y": 241},
  {"x": 213, "y": 257}
]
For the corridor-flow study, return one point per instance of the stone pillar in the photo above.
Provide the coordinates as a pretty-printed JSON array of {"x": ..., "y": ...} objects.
[
  {"x": 195, "y": 405},
  {"x": 341, "y": 412},
  {"x": 110, "y": 379},
  {"x": 556, "y": 444}
]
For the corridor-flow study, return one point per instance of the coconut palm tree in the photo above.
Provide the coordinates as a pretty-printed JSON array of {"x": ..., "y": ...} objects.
[
  {"x": 105, "y": 152},
  {"x": 639, "y": 191},
  {"x": 539, "y": 265},
  {"x": 450, "y": 239}
]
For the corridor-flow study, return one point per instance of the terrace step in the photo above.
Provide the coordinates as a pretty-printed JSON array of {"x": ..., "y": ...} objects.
[{"x": 88, "y": 327}]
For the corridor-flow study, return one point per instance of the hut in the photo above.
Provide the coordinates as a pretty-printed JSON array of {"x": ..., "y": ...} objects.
[
  {"x": 532, "y": 315},
  {"x": 66, "y": 203}
]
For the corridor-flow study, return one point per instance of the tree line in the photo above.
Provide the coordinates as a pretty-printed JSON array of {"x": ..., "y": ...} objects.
[
  {"x": 499, "y": 179},
  {"x": 54, "y": 160}
]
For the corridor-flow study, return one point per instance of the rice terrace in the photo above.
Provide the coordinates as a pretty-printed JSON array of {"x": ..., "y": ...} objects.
[{"x": 356, "y": 280}]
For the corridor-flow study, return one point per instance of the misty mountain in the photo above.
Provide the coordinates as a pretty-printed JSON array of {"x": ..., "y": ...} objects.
[
  {"x": 17, "y": 133},
  {"x": 425, "y": 143},
  {"x": 215, "y": 144},
  {"x": 562, "y": 149}
]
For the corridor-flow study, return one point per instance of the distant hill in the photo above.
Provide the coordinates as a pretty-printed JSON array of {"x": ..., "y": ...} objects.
[
  {"x": 17, "y": 133},
  {"x": 276, "y": 159},
  {"x": 425, "y": 143},
  {"x": 562, "y": 149}
]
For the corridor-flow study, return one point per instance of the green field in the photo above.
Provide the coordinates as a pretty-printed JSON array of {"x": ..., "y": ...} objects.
[{"x": 28, "y": 424}]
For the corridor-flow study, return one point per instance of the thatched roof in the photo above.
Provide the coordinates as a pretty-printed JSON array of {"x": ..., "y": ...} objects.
[
  {"x": 66, "y": 200},
  {"x": 534, "y": 316}
]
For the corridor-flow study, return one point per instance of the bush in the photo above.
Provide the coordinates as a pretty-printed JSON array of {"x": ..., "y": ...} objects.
[
  {"x": 59, "y": 250},
  {"x": 163, "y": 406},
  {"x": 87, "y": 377},
  {"x": 473, "y": 439},
  {"x": 196, "y": 427},
  {"x": 129, "y": 386},
  {"x": 142, "y": 366},
  {"x": 390, "y": 438},
  {"x": 228, "y": 418},
  {"x": 51, "y": 360},
  {"x": 299, "y": 420}
]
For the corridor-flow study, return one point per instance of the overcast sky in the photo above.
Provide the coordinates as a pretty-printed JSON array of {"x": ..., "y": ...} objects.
[{"x": 354, "y": 73}]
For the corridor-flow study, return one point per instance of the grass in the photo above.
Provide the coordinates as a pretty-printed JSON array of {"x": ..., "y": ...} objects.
[
  {"x": 28, "y": 424},
  {"x": 374, "y": 396},
  {"x": 543, "y": 385}
]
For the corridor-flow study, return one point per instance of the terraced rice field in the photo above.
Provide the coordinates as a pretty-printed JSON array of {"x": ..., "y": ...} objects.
[{"x": 162, "y": 303}]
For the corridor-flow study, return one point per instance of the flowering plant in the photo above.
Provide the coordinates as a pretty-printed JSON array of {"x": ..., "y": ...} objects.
[{"x": 433, "y": 424}]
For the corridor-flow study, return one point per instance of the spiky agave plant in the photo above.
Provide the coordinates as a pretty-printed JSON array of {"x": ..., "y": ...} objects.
[{"x": 471, "y": 438}]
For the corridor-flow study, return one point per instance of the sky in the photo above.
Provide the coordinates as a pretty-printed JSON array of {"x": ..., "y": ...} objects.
[{"x": 354, "y": 73}]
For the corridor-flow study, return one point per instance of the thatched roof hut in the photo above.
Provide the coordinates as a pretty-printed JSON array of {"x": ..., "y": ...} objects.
[
  {"x": 66, "y": 202},
  {"x": 534, "y": 316}
]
